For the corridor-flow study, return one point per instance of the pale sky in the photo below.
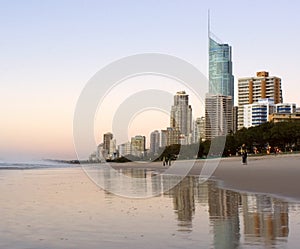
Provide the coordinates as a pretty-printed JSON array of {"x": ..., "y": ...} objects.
[{"x": 50, "y": 49}]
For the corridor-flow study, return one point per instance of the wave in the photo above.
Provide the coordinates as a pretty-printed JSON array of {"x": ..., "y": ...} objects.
[{"x": 34, "y": 165}]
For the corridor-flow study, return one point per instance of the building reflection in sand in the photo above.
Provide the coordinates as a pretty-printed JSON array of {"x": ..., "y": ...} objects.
[{"x": 257, "y": 219}]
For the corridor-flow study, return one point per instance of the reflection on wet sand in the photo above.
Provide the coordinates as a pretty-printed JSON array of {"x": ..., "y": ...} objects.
[
  {"x": 62, "y": 208},
  {"x": 259, "y": 219},
  {"x": 224, "y": 216},
  {"x": 265, "y": 219},
  {"x": 184, "y": 201}
]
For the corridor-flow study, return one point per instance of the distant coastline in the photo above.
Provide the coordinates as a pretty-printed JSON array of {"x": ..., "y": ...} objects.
[{"x": 74, "y": 161}]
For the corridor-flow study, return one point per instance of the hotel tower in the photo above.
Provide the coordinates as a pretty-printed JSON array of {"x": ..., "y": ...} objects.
[{"x": 220, "y": 98}]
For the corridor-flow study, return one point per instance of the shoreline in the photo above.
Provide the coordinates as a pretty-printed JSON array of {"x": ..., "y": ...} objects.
[
  {"x": 272, "y": 175},
  {"x": 269, "y": 174}
]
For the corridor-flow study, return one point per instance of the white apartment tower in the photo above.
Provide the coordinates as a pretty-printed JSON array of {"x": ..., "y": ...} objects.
[
  {"x": 258, "y": 113},
  {"x": 154, "y": 142},
  {"x": 181, "y": 114},
  {"x": 199, "y": 130},
  {"x": 218, "y": 115}
]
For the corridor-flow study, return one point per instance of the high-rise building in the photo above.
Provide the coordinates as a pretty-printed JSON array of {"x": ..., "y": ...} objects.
[
  {"x": 218, "y": 115},
  {"x": 250, "y": 89},
  {"x": 221, "y": 80},
  {"x": 154, "y": 142},
  {"x": 234, "y": 119},
  {"x": 219, "y": 101},
  {"x": 124, "y": 149},
  {"x": 100, "y": 153},
  {"x": 181, "y": 114},
  {"x": 199, "y": 130},
  {"x": 170, "y": 136},
  {"x": 113, "y": 149},
  {"x": 138, "y": 145},
  {"x": 163, "y": 138},
  {"x": 107, "y": 141}
]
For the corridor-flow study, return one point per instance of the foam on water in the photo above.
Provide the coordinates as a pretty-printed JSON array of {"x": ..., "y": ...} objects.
[{"x": 15, "y": 165}]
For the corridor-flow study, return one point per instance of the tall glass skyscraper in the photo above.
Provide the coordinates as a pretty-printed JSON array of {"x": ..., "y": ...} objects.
[
  {"x": 221, "y": 80},
  {"x": 220, "y": 98}
]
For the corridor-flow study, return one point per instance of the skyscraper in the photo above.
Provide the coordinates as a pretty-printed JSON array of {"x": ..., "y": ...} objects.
[
  {"x": 199, "y": 129},
  {"x": 219, "y": 101},
  {"x": 169, "y": 136},
  {"x": 163, "y": 138},
  {"x": 234, "y": 119},
  {"x": 221, "y": 80},
  {"x": 124, "y": 149},
  {"x": 138, "y": 145},
  {"x": 154, "y": 142},
  {"x": 107, "y": 141},
  {"x": 251, "y": 89},
  {"x": 181, "y": 114},
  {"x": 218, "y": 115}
]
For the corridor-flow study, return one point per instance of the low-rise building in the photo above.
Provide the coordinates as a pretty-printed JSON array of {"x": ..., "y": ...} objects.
[
  {"x": 283, "y": 117},
  {"x": 285, "y": 108},
  {"x": 258, "y": 112}
]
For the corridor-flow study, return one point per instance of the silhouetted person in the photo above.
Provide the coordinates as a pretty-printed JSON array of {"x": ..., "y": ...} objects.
[{"x": 244, "y": 154}]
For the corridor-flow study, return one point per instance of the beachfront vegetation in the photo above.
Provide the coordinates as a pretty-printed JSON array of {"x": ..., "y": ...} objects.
[{"x": 263, "y": 139}]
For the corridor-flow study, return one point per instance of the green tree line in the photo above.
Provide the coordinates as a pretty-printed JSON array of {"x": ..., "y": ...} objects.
[{"x": 283, "y": 135}]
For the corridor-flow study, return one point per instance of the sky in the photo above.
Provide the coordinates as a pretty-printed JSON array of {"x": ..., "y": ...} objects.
[{"x": 50, "y": 49}]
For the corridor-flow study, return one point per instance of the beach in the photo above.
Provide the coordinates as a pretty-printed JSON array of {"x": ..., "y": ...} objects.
[
  {"x": 275, "y": 175},
  {"x": 63, "y": 208}
]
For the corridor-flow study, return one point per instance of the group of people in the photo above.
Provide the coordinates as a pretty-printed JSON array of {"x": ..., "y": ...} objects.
[{"x": 166, "y": 160}]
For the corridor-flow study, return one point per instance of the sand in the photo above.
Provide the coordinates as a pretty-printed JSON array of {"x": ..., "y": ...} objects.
[
  {"x": 63, "y": 208},
  {"x": 274, "y": 175}
]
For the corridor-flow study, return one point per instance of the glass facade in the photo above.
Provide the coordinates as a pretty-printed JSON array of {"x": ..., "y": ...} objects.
[{"x": 221, "y": 80}]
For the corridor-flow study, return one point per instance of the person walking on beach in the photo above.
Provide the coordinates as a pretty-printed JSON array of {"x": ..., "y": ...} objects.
[
  {"x": 244, "y": 154},
  {"x": 169, "y": 160},
  {"x": 275, "y": 151}
]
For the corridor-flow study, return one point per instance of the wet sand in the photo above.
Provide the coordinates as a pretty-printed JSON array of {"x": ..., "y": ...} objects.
[
  {"x": 278, "y": 176},
  {"x": 275, "y": 175},
  {"x": 63, "y": 208}
]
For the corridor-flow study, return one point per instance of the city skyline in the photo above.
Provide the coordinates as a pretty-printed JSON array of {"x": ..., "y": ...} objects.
[
  {"x": 49, "y": 50},
  {"x": 181, "y": 123}
]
